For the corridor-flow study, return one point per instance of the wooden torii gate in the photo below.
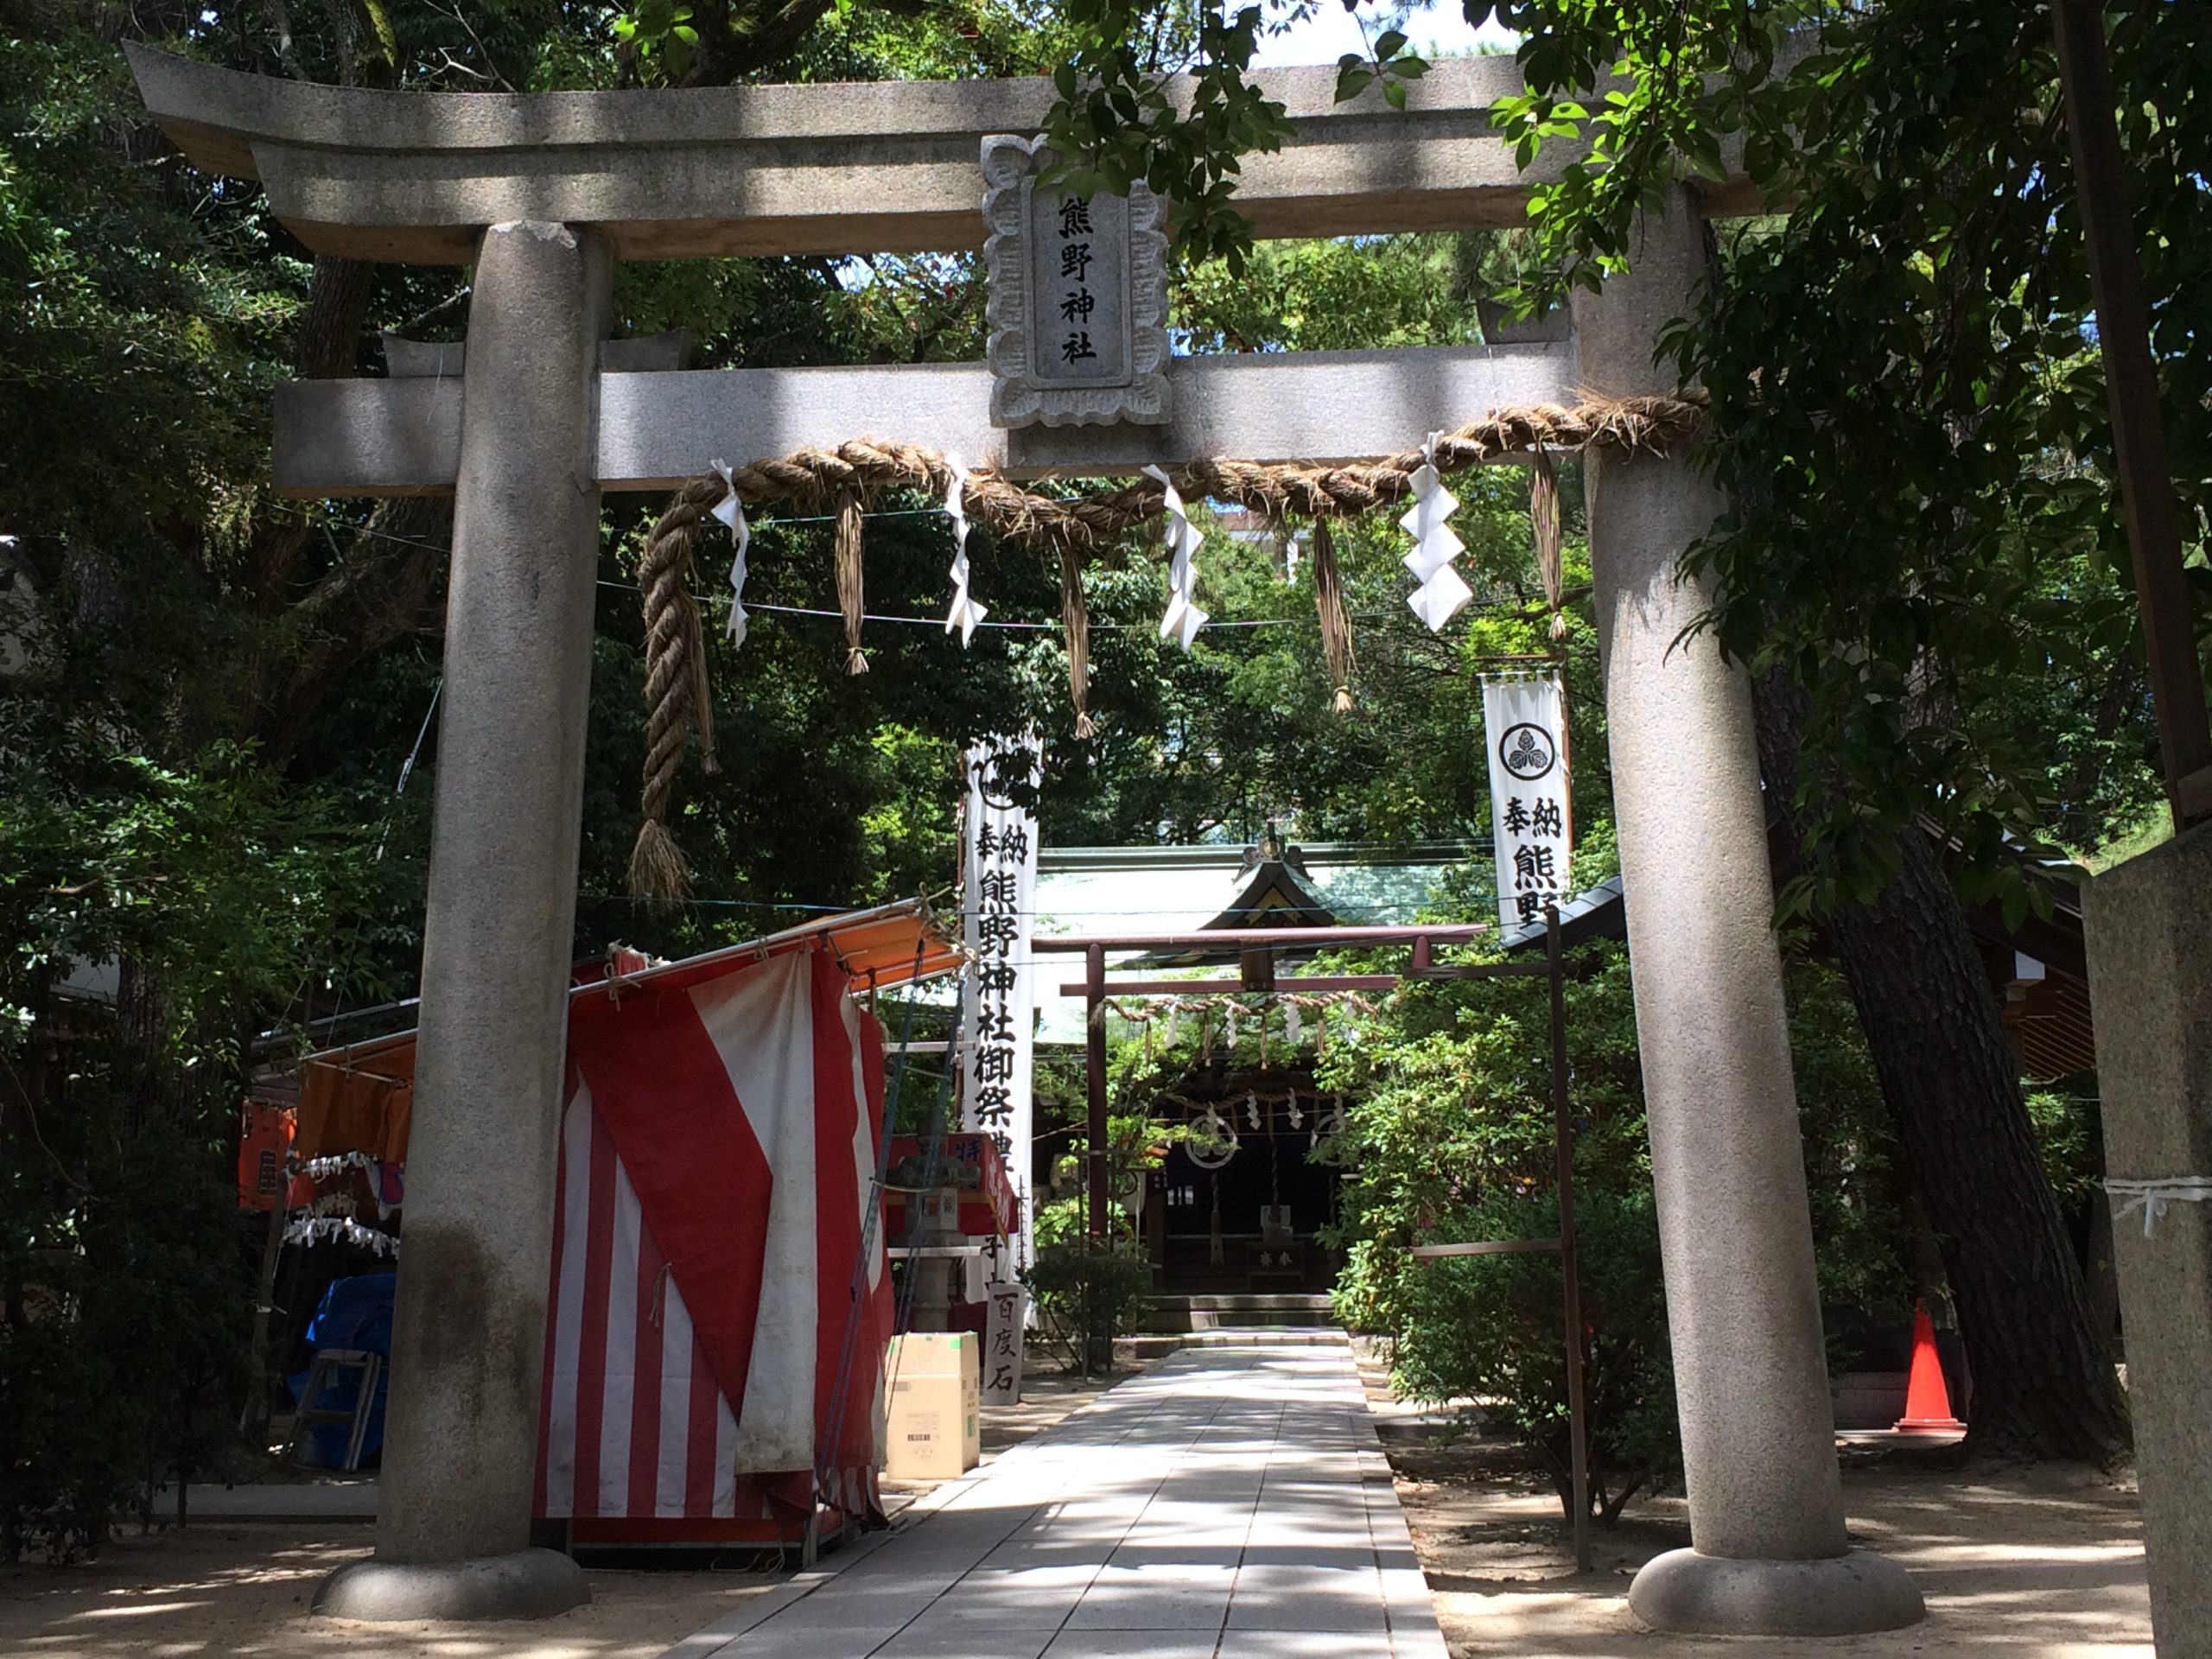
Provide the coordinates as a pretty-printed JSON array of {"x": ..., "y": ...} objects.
[{"x": 542, "y": 194}]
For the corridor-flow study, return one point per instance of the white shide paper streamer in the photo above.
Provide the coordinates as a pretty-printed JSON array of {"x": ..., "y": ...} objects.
[
  {"x": 965, "y": 612},
  {"x": 1184, "y": 619},
  {"x": 323, "y": 1230},
  {"x": 1443, "y": 592},
  {"x": 731, "y": 512}
]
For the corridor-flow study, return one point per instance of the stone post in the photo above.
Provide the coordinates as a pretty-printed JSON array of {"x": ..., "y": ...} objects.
[
  {"x": 460, "y": 1448},
  {"x": 1769, "y": 1556},
  {"x": 2149, "y": 927}
]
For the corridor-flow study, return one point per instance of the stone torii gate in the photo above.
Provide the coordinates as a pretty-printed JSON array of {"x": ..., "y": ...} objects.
[{"x": 542, "y": 194}]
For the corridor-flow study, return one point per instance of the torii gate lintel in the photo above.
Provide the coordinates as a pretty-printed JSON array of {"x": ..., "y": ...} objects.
[{"x": 402, "y": 436}]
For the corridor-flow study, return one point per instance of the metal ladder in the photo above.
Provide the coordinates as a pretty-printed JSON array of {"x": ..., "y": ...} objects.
[{"x": 329, "y": 1362}]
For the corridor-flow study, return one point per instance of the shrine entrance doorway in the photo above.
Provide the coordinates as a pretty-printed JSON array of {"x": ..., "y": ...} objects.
[{"x": 1246, "y": 1216}]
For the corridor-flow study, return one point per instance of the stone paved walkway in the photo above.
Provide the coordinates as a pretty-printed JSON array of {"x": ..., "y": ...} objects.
[{"x": 1225, "y": 1503}]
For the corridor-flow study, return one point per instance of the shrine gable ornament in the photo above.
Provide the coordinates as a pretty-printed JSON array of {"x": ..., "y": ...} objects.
[{"x": 1079, "y": 297}]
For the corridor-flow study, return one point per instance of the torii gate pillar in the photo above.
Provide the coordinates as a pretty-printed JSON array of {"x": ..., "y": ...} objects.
[
  {"x": 1769, "y": 1554},
  {"x": 468, "y": 1334}
]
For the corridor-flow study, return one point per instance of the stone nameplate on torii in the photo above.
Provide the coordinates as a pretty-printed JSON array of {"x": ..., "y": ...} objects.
[{"x": 1079, "y": 297}]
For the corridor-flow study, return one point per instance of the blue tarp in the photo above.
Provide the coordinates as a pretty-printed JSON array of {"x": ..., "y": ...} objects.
[{"x": 354, "y": 1313}]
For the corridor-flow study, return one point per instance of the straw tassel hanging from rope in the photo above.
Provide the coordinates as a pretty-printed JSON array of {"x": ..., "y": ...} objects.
[
  {"x": 848, "y": 577},
  {"x": 1074, "y": 619},
  {"x": 1543, "y": 513},
  {"x": 1335, "y": 620}
]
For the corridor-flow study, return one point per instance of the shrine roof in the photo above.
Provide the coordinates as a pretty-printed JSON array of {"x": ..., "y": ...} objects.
[
  {"x": 1139, "y": 890},
  {"x": 1181, "y": 889}
]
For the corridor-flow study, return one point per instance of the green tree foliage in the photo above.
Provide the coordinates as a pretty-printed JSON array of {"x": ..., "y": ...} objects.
[
  {"x": 1907, "y": 407},
  {"x": 1351, "y": 293},
  {"x": 1933, "y": 367},
  {"x": 157, "y": 915},
  {"x": 1920, "y": 559},
  {"x": 1449, "y": 1139}
]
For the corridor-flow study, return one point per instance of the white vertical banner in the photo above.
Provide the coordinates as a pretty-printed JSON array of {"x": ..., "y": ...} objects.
[
  {"x": 1531, "y": 814},
  {"x": 998, "y": 890}
]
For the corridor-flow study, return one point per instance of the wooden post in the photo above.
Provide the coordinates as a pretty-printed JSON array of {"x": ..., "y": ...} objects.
[
  {"x": 1578, "y": 1426},
  {"x": 1094, "y": 1047},
  {"x": 2139, "y": 438},
  {"x": 1098, "y": 1342}
]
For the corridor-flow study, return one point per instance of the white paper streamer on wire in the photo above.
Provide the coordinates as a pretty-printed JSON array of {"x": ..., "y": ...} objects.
[
  {"x": 731, "y": 512},
  {"x": 321, "y": 1169},
  {"x": 1442, "y": 592},
  {"x": 2153, "y": 1197},
  {"x": 328, "y": 1230},
  {"x": 965, "y": 612},
  {"x": 1184, "y": 619}
]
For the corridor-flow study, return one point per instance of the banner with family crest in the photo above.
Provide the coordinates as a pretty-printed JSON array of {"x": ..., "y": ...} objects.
[
  {"x": 999, "y": 886},
  {"x": 1531, "y": 814}
]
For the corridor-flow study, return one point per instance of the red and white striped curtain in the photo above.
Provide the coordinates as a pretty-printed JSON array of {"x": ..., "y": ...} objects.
[{"x": 717, "y": 1150}]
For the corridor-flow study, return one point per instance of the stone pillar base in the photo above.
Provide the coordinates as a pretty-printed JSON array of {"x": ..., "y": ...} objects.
[
  {"x": 1685, "y": 1593},
  {"x": 528, "y": 1584}
]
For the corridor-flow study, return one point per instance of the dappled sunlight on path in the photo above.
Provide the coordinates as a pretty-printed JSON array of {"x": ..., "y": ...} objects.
[
  {"x": 218, "y": 1591},
  {"x": 2033, "y": 1565}
]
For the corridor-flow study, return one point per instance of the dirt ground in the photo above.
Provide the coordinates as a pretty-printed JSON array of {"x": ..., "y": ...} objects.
[
  {"x": 2015, "y": 1566},
  {"x": 2030, "y": 1565},
  {"x": 221, "y": 1587},
  {"x": 243, "y": 1589}
]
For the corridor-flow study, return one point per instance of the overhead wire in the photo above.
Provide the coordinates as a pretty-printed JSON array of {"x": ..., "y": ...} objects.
[{"x": 1047, "y": 625}]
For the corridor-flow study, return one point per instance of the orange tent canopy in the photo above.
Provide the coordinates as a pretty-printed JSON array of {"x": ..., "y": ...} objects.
[{"x": 891, "y": 944}]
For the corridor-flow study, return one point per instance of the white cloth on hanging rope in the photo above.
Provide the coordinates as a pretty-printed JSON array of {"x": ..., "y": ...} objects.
[
  {"x": 1443, "y": 593},
  {"x": 731, "y": 512},
  {"x": 2153, "y": 1197},
  {"x": 965, "y": 612},
  {"x": 1182, "y": 619}
]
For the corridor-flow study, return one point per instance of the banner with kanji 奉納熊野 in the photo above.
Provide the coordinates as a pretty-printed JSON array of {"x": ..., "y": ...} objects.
[{"x": 1532, "y": 817}]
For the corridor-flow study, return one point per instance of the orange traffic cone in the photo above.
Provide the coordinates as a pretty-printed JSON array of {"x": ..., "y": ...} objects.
[{"x": 1927, "y": 1401}]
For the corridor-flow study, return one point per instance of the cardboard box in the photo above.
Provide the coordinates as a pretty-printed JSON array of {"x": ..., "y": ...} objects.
[{"x": 935, "y": 1423}]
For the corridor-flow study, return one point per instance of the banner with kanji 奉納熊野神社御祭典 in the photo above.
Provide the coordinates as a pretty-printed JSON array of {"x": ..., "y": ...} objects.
[
  {"x": 999, "y": 886},
  {"x": 1531, "y": 813}
]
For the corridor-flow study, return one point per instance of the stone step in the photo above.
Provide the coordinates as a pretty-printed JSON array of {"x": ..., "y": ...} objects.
[
  {"x": 1159, "y": 1344},
  {"x": 1289, "y": 1310}
]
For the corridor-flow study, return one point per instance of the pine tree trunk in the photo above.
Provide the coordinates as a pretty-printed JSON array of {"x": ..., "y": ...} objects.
[{"x": 2042, "y": 1384}]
